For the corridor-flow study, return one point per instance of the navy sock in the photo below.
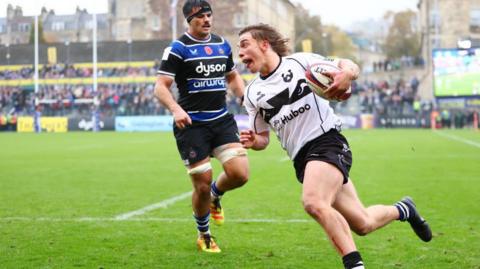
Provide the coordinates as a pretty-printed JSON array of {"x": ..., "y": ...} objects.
[
  {"x": 353, "y": 260},
  {"x": 215, "y": 191},
  {"x": 403, "y": 210},
  {"x": 203, "y": 225}
]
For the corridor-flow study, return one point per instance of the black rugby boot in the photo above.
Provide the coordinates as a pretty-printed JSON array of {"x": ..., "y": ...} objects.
[{"x": 419, "y": 224}]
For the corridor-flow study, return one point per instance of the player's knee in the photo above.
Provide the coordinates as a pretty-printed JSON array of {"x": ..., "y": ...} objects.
[
  {"x": 241, "y": 181},
  {"x": 316, "y": 209},
  {"x": 201, "y": 178},
  {"x": 244, "y": 177},
  {"x": 202, "y": 189},
  {"x": 234, "y": 162},
  {"x": 362, "y": 228},
  {"x": 240, "y": 176}
]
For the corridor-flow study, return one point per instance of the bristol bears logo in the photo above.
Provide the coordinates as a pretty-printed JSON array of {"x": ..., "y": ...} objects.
[{"x": 288, "y": 77}]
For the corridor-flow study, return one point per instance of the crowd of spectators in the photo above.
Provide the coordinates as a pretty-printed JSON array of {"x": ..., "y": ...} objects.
[
  {"x": 125, "y": 99},
  {"x": 383, "y": 98},
  {"x": 13, "y": 100},
  {"x": 397, "y": 64},
  {"x": 389, "y": 98},
  {"x": 71, "y": 100},
  {"x": 70, "y": 71}
]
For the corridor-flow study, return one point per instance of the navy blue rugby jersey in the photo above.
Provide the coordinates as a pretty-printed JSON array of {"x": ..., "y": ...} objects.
[{"x": 199, "y": 68}]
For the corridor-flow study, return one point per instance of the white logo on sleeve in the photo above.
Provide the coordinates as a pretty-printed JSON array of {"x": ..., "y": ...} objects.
[{"x": 166, "y": 53}]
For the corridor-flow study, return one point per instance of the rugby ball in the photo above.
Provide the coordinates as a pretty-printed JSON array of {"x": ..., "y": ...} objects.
[{"x": 318, "y": 81}]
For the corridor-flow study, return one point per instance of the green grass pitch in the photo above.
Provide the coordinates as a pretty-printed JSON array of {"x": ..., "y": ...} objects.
[{"x": 60, "y": 195}]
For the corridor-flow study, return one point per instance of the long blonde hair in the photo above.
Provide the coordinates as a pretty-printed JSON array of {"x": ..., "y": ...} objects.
[{"x": 266, "y": 32}]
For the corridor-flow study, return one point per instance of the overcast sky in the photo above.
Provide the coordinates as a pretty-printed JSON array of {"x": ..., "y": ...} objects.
[
  {"x": 340, "y": 12},
  {"x": 32, "y": 7},
  {"x": 345, "y": 12}
]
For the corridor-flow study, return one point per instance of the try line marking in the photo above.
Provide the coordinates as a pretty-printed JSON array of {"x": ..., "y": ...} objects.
[
  {"x": 100, "y": 219},
  {"x": 457, "y": 138},
  {"x": 162, "y": 204},
  {"x": 129, "y": 216}
]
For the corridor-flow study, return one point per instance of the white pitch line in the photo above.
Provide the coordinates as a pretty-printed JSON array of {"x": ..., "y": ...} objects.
[
  {"x": 99, "y": 219},
  {"x": 284, "y": 159},
  {"x": 162, "y": 204},
  {"x": 457, "y": 138}
]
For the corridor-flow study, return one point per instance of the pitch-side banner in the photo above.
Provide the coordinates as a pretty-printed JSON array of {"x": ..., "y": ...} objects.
[
  {"x": 402, "y": 122},
  {"x": 351, "y": 122},
  {"x": 144, "y": 124},
  {"x": 86, "y": 123},
  {"x": 48, "y": 124},
  {"x": 159, "y": 123}
]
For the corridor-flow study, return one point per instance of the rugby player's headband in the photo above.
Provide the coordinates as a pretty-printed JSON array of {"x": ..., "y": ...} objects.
[{"x": 192, "y": 8}]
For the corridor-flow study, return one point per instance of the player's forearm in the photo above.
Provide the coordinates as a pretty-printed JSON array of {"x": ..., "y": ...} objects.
[
  {"x": 261, "y": 142},
  {"x": 350, "y": 67},
  {"x": 166, "y": 98},
  {"x": 235, "y": 83}
]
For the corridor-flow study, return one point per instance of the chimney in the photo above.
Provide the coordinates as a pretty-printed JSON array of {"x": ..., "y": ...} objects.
[{"x": 10, "y": 12}]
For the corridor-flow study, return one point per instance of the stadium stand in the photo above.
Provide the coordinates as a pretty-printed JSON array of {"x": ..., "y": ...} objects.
[{"x": 126, "y": 81}]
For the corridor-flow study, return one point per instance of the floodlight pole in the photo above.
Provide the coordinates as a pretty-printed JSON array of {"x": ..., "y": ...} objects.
[
  {"x": 35, "y": 76},
  {"x": 96, "y": 101},
  {"x": 8, "y": 53},
  {"x": 37, "y": 112},
  {"x": 94, "y": 40},
  {"x": 437, "y": 26},
  {"x": 67, "y": 46},
  {"x": 173, "y": 14}
]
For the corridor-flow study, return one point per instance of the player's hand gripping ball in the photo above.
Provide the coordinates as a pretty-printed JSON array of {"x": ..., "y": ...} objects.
[{"x": 319, "y": 82}]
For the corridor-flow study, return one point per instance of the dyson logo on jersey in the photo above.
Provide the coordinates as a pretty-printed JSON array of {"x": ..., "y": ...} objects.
[
  {"x": 295, "y": 113},
  {"x": 207, "y": 69}
]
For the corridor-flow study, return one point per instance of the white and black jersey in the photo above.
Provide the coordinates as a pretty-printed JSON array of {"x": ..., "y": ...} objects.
[
  {"x": 284, "y": 102},
  {"x": 199, "y": 68}
]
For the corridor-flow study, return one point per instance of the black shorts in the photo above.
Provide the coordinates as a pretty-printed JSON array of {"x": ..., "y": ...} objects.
[
  {"x": 197, "y": 141},
  {"x": 331, "y": 147}
]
